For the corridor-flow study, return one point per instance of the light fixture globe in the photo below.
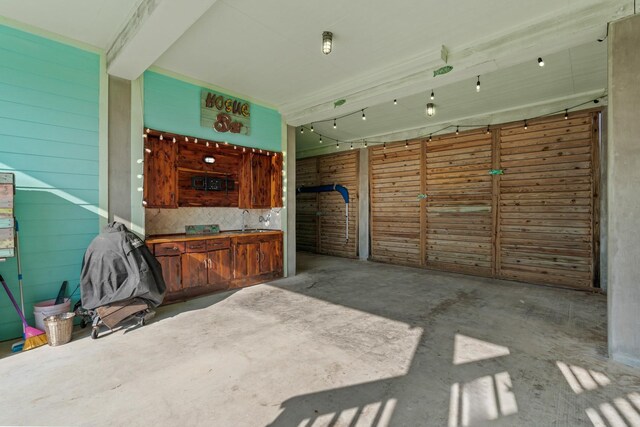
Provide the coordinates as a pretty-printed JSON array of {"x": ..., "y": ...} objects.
[
  {"x": 327, "y": 42},
  {"x": 430, "y": 110}
]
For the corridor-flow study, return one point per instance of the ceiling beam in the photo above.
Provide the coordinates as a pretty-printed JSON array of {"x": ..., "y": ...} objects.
[
  {"x": 152, "y": 28},
  {"x": 574, "y": 27}
]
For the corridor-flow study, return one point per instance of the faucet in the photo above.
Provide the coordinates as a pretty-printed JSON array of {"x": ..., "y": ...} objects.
[{"x": 244, "y": 225}]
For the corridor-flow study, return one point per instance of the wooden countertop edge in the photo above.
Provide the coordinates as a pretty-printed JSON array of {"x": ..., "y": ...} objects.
[{"x": 167, "y": 238}]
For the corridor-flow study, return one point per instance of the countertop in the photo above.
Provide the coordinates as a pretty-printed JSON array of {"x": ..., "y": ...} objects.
[{"x": 165, "y": 238}]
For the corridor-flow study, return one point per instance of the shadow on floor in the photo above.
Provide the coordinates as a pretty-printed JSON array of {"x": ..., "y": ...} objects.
[{"x": 489, "y": 351}]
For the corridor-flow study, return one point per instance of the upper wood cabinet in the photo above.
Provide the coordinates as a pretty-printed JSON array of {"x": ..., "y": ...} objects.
[
  {"x": 261, "y": 181},
  {"x": 160, "y": 173}
]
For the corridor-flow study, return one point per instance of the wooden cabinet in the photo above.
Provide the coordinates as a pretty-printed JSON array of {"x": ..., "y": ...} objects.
[
  {"x": 207, "y": 263},
  {"x": 160, "y": 173},
  {"x": 257, "y": 256},
  {"x": 261, "y": 181},
  {"x": 196, "y": 266}
]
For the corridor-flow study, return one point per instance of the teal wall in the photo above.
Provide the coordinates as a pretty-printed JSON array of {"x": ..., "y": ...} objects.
[
  {"x": 173, "y": 105},
  {"x": 49, "y": 113}
]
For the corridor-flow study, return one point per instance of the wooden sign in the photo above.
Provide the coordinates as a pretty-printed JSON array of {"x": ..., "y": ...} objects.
[{"x": 223, "y": 113}]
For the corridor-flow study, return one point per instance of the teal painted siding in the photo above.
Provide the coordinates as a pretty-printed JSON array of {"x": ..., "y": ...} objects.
[
  {"x": 173, "y": 106},
  {"x": 49, "y": 112}
]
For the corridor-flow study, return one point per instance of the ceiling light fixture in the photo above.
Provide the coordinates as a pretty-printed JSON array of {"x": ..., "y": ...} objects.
[
  {"x": 478, "y": 85},
  {"x": 433, "y": 95},
  {"x": 540, "y": 62},
  {"x": 431, "y": 109},
  {"x": 327, "y": 42}
]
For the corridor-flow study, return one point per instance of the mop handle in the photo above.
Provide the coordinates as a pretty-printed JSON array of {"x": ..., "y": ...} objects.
[{"x": 15, "y": 304}]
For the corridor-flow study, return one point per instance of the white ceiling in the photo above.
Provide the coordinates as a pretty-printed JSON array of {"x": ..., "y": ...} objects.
[
  {"x": 95, "y": 22},
  {"x": 270, "y": 51}
]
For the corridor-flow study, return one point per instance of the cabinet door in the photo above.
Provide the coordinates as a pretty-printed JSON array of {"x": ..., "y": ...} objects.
[
  {"x": 219, "y": 268},
  {"x": 171, "y": 272},
  {"x": 260, "y": 181},
  {"x": 194, "y": 269},
  {"x": 270, "y": 256},
  {"x": 247, "y": 260},
  {"x": 160, "y": 178}
]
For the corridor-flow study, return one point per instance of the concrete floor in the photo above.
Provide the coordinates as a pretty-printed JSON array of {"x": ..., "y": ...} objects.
[{"x": 344, "y": 343}]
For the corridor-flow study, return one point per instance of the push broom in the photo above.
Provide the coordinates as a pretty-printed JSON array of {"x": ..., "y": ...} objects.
[{"x": 32, "y": 337}]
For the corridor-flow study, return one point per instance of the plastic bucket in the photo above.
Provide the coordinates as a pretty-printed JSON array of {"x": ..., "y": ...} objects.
[
  {"x": 47, "y": 308},
  {"x": 59, "y": 328}
]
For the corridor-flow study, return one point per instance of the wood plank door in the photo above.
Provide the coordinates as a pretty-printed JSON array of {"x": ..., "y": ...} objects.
[
  {"x": 459, "y": 208},
  {"x": 194, "y": 269},
  {"x": 394, "y": 174},
  {"x": 547, "y": 229},
  {"x": 307, "y": 205}
]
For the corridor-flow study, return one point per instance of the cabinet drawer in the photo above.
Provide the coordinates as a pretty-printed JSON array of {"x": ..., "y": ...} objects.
[
  {"x": 174, "y": 248},
  {"x": 213, "y": 245},
  {"x": 196, "y": 246}
]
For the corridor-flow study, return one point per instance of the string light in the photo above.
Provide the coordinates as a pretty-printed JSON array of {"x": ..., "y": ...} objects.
[
  {"x": 478, "y": 85},
  {"x": 226, "y": 143},
  {"x": 406, "y": 143},
  {"x": 161, "y": 137},
  {"x": 430, "y": 137},
  {"x": 174, "y": 140},
  {"x": 488, "y": 130},
  {"x": 195, "y": 141},
  {"x": 363, "y": 116},
  {"x": 335, "y": 125},
  {"x": 457, "y": 130},
  {"x": 148, "y": 130},
  {"x": 207, "y": 144},
  {"x": 365, "y": 144},
  {"x": 301, "y": 129},
  {"x": 320, "y": 141},
  {"x": 525, "y": 124},
  {"x": 186, "y": 139},
  {"x": 337, "y": 145},
  {"x": 235, "y": 147},
  {"x": 384, "y": 145},
  {"x": 395, "y": 102},
  {"x": 217, "y": 146},
  {"x": 566, "y": 114},
  {"x": 244, "y": 150},
  {"x": 144, "y": 135},
  {"x": 351, "y": 148},
  {"x": 311, "y": 127},
  {"x": 433, "y": 95},
  {"x": 540, "y": 62}
]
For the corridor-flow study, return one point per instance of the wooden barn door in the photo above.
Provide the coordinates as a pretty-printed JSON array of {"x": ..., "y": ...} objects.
[
  {"x": 459, "y": 209},
  {"x": 340, "y": 168},
  {"x": 394, "y": 175},
  {"x": 307, "y": 205},
  {"x": 548, "y": 197}
]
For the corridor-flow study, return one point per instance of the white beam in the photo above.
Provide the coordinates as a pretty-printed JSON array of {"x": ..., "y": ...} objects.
[{"x": 152, "y": 28}]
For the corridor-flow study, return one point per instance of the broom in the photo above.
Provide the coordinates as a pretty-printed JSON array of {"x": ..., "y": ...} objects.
[{"x": 32, "y": 337}]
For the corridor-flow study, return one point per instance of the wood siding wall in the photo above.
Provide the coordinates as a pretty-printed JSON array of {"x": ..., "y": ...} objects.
[
  {"x": 394, "y": 174},
  {"x": 320, "y": 217},
  {"x": 538, "y": 222}
]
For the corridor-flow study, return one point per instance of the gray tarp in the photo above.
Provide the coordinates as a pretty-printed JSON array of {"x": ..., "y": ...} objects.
[{"x": 118, "y": 266}]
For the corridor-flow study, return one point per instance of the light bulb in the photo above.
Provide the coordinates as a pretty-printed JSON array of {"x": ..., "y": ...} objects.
[
  {"x": 540, "y": 62},
  {"x": 312, "y": 128},
  {"x": 433, "y": 96},
  {"x": 320, "y": 141},
  {"x": 395, "y": 102},
  {"x": 384, "y": 145},
  {"x": 430, "y": 137},
  {"x": 301, "y": 130},
  {"x": 406, "y": 143},
  {"x": 457, "y": 130},
  {"x": 478, "y": 85},
  {"x": 488, "y": 130},
  {"x": 566, "y": 114},
  {"x": 525, "y": 125},
  {"x": 363, "y": 116},
  {"x": 351, "y": 148},
  {"x": 335, "y": 125},
  {"x": 337, "y": 145}
]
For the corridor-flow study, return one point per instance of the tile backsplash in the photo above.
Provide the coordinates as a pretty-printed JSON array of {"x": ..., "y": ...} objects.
[{"x": 170, "y": 221}]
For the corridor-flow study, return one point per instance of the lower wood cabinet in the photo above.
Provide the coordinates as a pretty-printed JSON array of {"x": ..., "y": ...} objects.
[{"x": 199, "y": 266}]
